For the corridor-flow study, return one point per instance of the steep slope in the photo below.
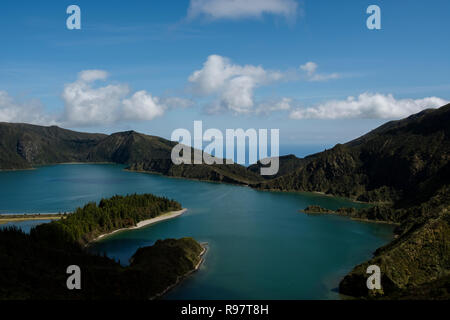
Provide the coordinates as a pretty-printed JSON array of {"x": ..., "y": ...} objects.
[
  {"x": 153, "y": 154},
  {"x": 401, "y": 160},
  {"x": 287, "y": 164},
  {"x": 419, "y": 258},
  {"x": 404, "y": 164},
  {"x": 130, "y": 147},
  {"x": 24, "y": 146}
]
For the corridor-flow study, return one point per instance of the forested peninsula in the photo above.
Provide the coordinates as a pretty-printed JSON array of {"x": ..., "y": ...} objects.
[{"x": 33, "y": 266}]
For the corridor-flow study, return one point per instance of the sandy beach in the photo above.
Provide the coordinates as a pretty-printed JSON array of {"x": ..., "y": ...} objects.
[{"x": 144, "y": 223}]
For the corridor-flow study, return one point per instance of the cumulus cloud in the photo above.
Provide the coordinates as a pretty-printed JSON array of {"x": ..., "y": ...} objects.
[
  {"x": 368, "y": 106},
  {"x": 142, "y": 106},
  {"x": 233, "y": 85},
  {"x": 238, "y": 9},
  {"x": 31, "y": 111},
  {"x": 310, "y": 68},
  {"x": 89, "y": 105},
  {"x": 86, "y": 104}
]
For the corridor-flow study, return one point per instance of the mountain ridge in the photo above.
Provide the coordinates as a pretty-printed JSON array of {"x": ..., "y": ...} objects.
[{"x": 24, "y": 146}]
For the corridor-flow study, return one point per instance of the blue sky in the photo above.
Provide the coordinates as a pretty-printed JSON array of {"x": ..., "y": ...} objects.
[{"x": 283, "y": 64}]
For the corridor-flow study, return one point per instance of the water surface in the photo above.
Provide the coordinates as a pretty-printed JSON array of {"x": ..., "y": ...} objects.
[{"x": 260, "y": 246}]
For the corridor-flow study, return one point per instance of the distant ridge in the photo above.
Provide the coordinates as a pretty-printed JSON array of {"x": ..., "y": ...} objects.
[{"x": 24, "y": 146}]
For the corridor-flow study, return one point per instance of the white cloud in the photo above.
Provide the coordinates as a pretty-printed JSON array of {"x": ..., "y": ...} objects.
[
  {"x": 368, "y": 106},
  {"x": 30, "y": 111},
  {"x": 88, "y": 105},
  {"x": 238, "y": 9},
  {"x": 142, "y": 106},
  {"x": 310, "y": 69},
  {"x": 233, "y": 85}
]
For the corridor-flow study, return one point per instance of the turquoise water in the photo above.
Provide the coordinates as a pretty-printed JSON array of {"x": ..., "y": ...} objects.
[{"x": 260, "y": 246}]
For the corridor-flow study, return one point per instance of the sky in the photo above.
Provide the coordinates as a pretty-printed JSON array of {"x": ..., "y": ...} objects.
[{"x": 310, "y": 68}]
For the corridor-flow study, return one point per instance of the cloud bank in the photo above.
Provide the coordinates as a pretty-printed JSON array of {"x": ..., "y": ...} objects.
[
  {"x": 238, "y": 9},
  {"x": 86, "y": 104},
  {"x": 368, "y": 106},
  {"x": 220, "y": 84},
  {"x": 30, "y": 111},
  {"x": 232, "y": 85}
]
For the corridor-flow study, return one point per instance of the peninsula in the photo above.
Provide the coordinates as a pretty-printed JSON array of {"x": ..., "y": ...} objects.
[{"x": 37, "y": 261}]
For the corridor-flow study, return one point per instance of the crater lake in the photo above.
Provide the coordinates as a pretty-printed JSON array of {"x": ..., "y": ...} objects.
[{"x": 259, "y": 245}]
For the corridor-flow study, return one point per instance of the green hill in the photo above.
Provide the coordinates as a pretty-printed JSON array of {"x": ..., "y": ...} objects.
[
  {"x": 404, "y": 168},
  {"x": 24, "y": 146},
  {"x": 406, "y": 160}
]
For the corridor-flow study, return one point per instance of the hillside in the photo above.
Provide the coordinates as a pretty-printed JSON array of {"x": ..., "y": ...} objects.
[
  {"x": 404, "y": 167},
  {"x": 34, "y": 268},
  {"x": 406, "y": 160},
  {"x": 418, "y": 258},
  {"x": 24, "y": 146}
]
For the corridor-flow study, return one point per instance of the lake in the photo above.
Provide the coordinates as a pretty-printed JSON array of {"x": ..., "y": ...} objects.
[{"x": 260, "y": 246}]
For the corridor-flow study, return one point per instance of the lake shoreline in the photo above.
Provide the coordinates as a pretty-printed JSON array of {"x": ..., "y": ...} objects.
[
  {"x": 144, "y": 223},
  {"x": 180, "y": 279}
]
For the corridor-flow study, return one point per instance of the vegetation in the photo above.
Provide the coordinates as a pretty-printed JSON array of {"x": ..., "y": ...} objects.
[
  {"x": 87, "y": 223},
  {"x": 24, "y": 146},
  {"x": 33, "y": 266},
  {"x": 402, "y": 167},
  {"x": 167, "y": 262},
  {"x": 402, "y": 162},
  {"x": 405, "y": 165},
  {"x": 417, "y": 260},
  {"x": 317, "y": 210}
]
